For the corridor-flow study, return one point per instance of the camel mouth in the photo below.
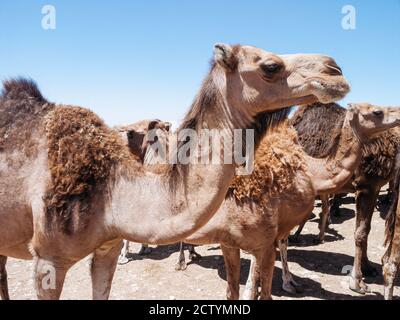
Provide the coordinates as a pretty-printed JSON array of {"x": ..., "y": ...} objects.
[{"x": 329, "y": 89}]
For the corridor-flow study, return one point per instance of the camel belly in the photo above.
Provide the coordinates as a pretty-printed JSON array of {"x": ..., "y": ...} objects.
[{"x": 16, "y": 231}]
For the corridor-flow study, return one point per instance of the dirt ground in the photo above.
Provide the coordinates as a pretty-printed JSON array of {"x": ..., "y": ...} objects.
[{"x": 320, "y": 269}]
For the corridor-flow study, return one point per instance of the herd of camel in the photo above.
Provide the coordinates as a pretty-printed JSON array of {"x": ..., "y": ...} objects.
[{"x": 71, "y": 186}]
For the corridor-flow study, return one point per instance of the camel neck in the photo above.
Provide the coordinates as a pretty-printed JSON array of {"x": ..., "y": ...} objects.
[
  {"x": 163, "y": 209},
  {"x": 332, "y": 173}
]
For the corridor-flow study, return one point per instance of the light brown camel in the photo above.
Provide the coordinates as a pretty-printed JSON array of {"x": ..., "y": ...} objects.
[
  {"x": 262, "y": 209},
  {"x": 315, "y": 127},
  {"x": 391, "y": 259},
  {"x": 70, "y": 187}
]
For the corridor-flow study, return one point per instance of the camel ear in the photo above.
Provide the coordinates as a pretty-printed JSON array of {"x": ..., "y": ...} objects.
[{"x": 224, "y": 56}]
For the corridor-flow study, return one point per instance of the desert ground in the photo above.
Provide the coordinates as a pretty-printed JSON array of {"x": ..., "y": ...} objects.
[{"x": 321, "y": 269}]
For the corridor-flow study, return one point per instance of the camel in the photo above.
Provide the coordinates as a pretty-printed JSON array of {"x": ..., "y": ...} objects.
[
  {"x": 261, "y": 210},
  {"x": 314, "y": 127},
  {"x": 391, "y": 258},
  {"x": 70, "y": 187}
]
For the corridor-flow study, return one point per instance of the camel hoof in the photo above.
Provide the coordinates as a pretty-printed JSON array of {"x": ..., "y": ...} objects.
[
  {"x": 194, "y": 256},
  {"x": 144, "y": 251},
  {"x": 181, "y": 266},
  {"x": 123, "y": 260},
  {"x": 358, "y": 286},
  {"x": 293, "y": 287}
]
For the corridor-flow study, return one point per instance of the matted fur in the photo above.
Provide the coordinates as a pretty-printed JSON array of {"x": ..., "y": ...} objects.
[
  {"x": 277, "y": 160},
  {"x": 319, "y": 128},
  {"x": 392, "y": 212},
  {"x": 82, "y": 153},
  {"x": 22, "y": 108}
]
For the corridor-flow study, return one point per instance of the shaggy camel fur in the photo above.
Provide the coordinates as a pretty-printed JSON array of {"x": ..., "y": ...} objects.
[
  {"x": 316, "y": 127},
  {"x": 262, "y": 209},
  {"x": 70, "y": 187},
  {"x": 391, "y": 259}
]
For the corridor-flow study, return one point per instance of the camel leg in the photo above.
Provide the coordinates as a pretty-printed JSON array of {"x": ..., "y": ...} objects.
[
  {"x": 181, "y": 263},
  {"x": 3, "y": 279},
  {"x": 288, "y": 283},
  {"x": 252, "y": 284},
  {"x": 193, "y": 255},
  {"x": 365, "y": 204},
  {"x": 323, "y": 219},
  {"x": 232, "y": 267},
  {"x": 390, "y": 271},
  {"x": 296, "y": 237},
  {"x": 123, "y": 257},
  {"x": 267, "y": 272},
  {"x": 103, "y": 265},
  {"x": 335, "y": 206},
  {"x": 49, "y": 278},
  {"x": 391, "y": 266}
]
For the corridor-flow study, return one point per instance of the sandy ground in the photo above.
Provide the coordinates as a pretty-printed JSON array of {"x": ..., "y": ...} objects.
[{"x": 318, "y": 268}]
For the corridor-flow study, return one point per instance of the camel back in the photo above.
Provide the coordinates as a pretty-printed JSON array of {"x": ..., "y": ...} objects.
[
  {"x": 319, "y": 128},
  {"x": 277, "y": 161}
]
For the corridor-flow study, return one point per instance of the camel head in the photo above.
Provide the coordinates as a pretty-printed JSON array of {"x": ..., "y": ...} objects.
[
  {"x": 260, "y": 81},
  {"x": 370, "y": 120},
  {"x": 137, "y": 135}
]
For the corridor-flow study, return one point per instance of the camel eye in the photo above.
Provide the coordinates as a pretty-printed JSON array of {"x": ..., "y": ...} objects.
[{"x": 271, "y": 68}]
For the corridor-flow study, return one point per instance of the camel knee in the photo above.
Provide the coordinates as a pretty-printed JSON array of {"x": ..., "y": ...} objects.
[{"x": 361, "y": 236}]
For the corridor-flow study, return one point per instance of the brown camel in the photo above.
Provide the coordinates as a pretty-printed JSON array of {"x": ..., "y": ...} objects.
[
  {"x": 70, "y": 187},
  {"x": 260, "y": 210},
  {"x": 391, "y": 259},
  {"x": 314, "y": 127}
]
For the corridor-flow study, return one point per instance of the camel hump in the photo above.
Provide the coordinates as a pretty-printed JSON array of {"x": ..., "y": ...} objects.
[
  {"x": 21, "y": 89},
  {"x": 319, "y": 127}
]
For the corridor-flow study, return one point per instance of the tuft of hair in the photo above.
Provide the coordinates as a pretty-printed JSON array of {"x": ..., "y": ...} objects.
[
  {"x": 83, "y": 154},
  {"x": 379, "y": 154},
  {"x": 277, "y": 160},
  {"x": 21, "y": 89}
]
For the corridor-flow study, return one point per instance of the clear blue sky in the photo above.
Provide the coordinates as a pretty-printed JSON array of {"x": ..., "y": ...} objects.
[{"x": 131, "y": 60}]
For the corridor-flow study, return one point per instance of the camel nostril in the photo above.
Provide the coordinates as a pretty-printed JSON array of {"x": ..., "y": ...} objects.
[
  {"x": 378, "y": 113},
  {"x": 334, "y": 69}
]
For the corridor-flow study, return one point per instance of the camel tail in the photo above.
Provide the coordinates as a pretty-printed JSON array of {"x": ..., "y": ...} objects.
[
  {"x": 20, "y": 89},
  {"x": 391, "y": 215}
]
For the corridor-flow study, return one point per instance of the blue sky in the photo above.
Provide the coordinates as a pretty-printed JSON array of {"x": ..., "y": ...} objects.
[{"x": 131, "y": 60}]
